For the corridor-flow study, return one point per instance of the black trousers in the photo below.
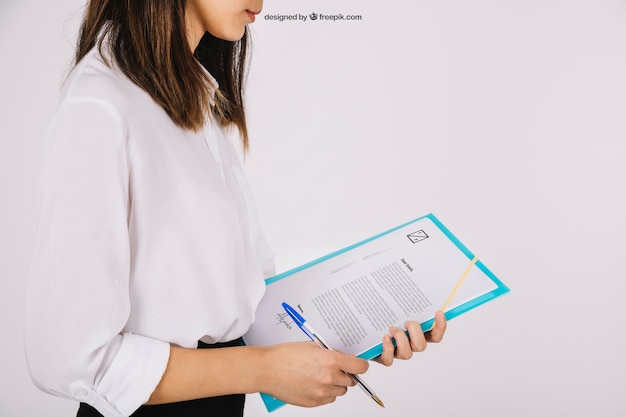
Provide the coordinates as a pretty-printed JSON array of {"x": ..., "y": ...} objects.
[{"x": 224, "y": 406}]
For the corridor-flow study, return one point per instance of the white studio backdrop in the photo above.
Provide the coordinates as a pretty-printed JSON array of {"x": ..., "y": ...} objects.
[{"x": 504, "y": 118}]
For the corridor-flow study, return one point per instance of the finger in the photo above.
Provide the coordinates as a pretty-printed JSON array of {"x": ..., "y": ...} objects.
[
  {"x": 386, "y": 358},
  {"x": 337, "y": 379},
  {"x": 403, "y": 346},
  {"x": 353, "y": 365},
  {"x": 326, "y": 396},
  {"x": 336, "y": 391},
  {"x": 416, "y": 335},
  {"x": 435, "y": 335}
]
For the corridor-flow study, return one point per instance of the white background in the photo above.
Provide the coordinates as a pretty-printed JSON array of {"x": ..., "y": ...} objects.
[{"x": 504, "y": 118}]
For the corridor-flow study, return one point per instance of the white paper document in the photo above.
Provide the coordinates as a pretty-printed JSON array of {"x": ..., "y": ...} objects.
[{"x": 353, "y": 296}]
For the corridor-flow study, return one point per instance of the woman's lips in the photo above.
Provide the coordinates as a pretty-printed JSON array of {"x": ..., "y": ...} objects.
[{"x": 252, "y": 15}]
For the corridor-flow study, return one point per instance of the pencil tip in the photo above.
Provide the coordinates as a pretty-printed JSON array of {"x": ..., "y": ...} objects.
[{"x": 378, "y": 401}]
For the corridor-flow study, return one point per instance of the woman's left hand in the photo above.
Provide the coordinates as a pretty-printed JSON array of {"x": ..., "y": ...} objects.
[{"x": 415, "y": 342}]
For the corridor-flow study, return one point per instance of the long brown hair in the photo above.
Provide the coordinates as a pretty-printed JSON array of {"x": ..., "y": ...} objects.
[{"x": 148, "y": 40}]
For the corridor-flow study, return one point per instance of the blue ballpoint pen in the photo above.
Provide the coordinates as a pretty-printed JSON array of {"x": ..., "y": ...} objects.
[{"x": 315, "y": 336}]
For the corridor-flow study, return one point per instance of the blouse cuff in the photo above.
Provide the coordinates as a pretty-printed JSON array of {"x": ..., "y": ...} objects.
[{"x": 131, "y": 378}]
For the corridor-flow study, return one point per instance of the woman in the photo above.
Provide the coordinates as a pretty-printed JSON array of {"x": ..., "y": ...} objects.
[{"x": 149, "y": 251}]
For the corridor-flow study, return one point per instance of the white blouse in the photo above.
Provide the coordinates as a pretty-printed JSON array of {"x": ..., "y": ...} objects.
[{"x": 148, "y": 236}]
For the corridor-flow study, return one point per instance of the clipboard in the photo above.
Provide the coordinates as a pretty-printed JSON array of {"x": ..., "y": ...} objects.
[{"x": 353, "y": 295}]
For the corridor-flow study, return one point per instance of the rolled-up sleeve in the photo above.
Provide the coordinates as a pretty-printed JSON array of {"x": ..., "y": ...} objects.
[{"x": 77, "y": 299}]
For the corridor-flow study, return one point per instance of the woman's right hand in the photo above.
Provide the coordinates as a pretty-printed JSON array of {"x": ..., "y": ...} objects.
[{"x": 304, "y": 374}]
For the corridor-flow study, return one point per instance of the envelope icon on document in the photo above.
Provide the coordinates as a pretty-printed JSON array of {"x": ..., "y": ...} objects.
[{"x": 417, "y": 236}]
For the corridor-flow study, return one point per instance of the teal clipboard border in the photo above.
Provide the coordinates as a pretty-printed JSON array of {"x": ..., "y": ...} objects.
[{"x": 272, "y": 403}]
